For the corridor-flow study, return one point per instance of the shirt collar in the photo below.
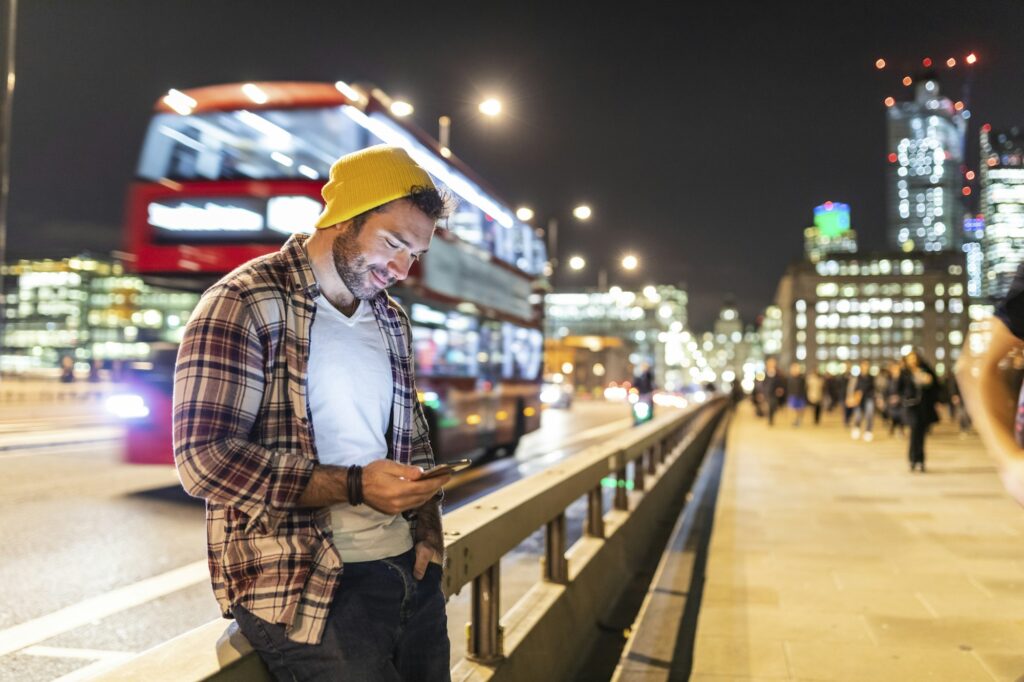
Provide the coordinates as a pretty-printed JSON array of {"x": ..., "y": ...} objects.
[{"x": 297, "y": 262}]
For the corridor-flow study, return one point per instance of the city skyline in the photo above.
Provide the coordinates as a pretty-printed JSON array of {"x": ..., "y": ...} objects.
[{"x": 701, "y": 137}]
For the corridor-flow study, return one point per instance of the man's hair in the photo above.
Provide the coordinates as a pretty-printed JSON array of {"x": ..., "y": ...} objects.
[{"x": 434, "y": 203}]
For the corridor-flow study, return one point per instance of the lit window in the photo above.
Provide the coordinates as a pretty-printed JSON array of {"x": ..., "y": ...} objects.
[
  {"x": 956, "y": 305},
  {"x": 956, "y": 338}
]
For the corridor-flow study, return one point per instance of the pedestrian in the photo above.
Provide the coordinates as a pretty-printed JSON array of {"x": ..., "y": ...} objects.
[
  {"x": 67, "y": 369},
  {"x": 295, "y": 417},
  {"x": 849, "y": 386},
  {"x": 796, "y": 390},
  {"x": 958, "y": 412},
  {"x": 816, "y": 393},
  {"x": 995, "y": 409},
  {"x": 917, "y": 388},
  {"x": 893, "y": 402},
  {"x": 774, "y": 388},
  {"x": 864, "y": 403}
]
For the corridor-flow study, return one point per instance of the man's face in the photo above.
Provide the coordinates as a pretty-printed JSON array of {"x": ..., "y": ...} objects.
[{"x": 382, "y": 251}]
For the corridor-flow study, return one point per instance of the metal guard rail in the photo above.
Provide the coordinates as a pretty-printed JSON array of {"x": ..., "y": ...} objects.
[{"x": 479, "y": 534}]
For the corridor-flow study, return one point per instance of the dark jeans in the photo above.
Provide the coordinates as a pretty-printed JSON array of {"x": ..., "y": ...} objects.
[{"x": 384, "y": 625}]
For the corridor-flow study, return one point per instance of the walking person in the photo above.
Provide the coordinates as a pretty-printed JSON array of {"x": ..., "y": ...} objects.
[
  {"x": 774, "y": 388},
  {"x": 796, "y": 391},
  {"x": 917, "y": 385},
  {"x": 864, "y": 409},
  {"x": 295, "y": 417},
  {"x": 815, "y": 393},
  {"x": 891, "y": 395}
]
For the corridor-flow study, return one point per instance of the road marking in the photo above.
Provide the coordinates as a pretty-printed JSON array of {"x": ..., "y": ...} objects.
[
  {"x": 67, "y": 652},
  {"x": 95, "y": 608}
]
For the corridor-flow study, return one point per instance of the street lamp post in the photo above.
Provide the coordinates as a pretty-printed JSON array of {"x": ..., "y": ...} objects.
[{"x": 490, "y": 107}]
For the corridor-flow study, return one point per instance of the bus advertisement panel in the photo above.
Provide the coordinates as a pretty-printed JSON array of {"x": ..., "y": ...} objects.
[{"x": 228, "y": 172}]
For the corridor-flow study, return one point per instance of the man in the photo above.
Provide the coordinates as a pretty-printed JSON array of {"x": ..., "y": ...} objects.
[
  {"x": 796, "y": 389},
  {"x": 815, "y": 393},
  {"x": 295, "y": 417},
  {"x": 774, "y": 388},
  {"x": 863, "y": 403}
]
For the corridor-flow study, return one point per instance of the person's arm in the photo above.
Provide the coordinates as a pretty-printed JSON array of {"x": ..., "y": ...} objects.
[
  {"x": 218, "y": 390},
  {"x": 992, "y": 405}
]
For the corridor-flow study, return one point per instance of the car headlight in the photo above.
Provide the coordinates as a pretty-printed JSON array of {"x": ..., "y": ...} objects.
[{"x": 127, "y": 406}]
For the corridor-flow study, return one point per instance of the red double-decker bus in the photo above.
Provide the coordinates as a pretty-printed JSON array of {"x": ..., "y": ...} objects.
[{"x": 228, "y": 172}]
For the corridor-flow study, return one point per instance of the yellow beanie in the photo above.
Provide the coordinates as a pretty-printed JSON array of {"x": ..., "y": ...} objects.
[{"x": 369, "y": 178}]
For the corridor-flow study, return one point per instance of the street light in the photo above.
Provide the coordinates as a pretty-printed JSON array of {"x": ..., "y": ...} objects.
[
  {"x": 582, "y": 212},
  {"x": 401, "y": 108},
  {"x": 630, "y": 262},
  {"x": 524, "y": 213},
  {"x": 577, "y": 263},
  {"x": 490, "y": 107}
]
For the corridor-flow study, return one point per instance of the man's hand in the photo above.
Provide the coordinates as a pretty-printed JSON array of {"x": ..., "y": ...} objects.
[
  {"x": 425, "y": 553},
  {"x": 392, "y": 488}
]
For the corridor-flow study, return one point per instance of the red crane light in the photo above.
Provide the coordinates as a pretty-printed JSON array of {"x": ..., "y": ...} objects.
[
  {"x": 966, "y": 191},
  {"x": 892, "y": 157},
  {"x": 971, "y": 58},
  {"x": 926, "y": 62}
]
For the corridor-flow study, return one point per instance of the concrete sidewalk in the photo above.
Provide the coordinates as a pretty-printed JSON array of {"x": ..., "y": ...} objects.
[{"x": 830, "y": 561}]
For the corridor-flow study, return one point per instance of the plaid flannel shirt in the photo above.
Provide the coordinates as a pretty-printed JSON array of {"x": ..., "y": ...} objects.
[{"x": 243, "y": 437}]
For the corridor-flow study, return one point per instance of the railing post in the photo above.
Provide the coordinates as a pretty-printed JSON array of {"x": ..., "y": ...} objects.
[
  {"x": 556, "y": 568},
  {"x": 595, "y": 513},
  {"x": 621, "y": 499},
  {"x": 638, "y": 471},
  {"x": 653, "y": 457},
  {"x": 485, "y": 636}
]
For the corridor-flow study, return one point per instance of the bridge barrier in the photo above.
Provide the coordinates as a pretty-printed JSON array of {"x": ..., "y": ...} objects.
[
  {"x": 660, "y": 643},
  {"x": 546, "y": 632}
]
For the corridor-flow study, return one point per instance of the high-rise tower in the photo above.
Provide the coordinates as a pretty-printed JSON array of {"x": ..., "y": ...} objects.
[{"x": 926, "y": 151}]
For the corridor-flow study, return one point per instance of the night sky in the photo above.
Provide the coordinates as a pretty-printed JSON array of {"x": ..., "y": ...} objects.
[{"x": 702, "y": 134}]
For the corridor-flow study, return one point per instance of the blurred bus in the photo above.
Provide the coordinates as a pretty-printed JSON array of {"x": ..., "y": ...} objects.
[{"x": 228, "y": 172}]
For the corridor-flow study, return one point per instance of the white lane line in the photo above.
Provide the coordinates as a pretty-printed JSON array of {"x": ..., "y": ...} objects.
[
  {"x": 94, "y": 608},
  {"x": 67, "y": 652}
]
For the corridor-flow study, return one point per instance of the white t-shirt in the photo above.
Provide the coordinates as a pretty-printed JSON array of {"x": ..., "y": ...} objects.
[{"x": 350, "y": 397}]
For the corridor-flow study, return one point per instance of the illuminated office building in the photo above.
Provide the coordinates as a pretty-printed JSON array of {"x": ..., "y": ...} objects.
[
  {"x": 873, "y": 307},
  {"x": 830, "y": 233},
  {"x": 1002, "y": 202},
  {"x": 974, "y": 231},
  {"x": 86, "y": 308},
  {"x": 926, "y": 151}
]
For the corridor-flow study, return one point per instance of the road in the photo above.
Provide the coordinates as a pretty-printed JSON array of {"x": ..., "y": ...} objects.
[{"x": 103, "y": 559}]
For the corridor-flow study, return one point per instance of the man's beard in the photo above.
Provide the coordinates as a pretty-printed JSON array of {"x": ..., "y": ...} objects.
[{"x": 352, "y": 268}]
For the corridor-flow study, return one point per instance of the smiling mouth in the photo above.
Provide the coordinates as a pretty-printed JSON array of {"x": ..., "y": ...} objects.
[{"x": 378, "y": 280}]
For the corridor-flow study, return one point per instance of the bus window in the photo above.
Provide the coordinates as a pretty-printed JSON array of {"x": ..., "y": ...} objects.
[
  {"x": 268, "y": 145},
  {"x": 523, "y": 349}
]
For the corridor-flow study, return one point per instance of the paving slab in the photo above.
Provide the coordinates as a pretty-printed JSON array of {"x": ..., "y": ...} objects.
[{"x": 830, "y": 560}]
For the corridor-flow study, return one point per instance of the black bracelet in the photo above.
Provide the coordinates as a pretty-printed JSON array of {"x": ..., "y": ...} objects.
[{"x": 355, "y": 485}]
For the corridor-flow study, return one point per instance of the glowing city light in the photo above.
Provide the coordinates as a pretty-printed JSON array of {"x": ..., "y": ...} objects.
[
  {"x": 926, "y": 62},
  {"x": 577, "y": 263},
  {"x": 879, "y": 63},
  {"x": 490, "y": 107},
  {"x": 971, "y": 58},
  {"x": 889, "y": 101},
  {"x": 907, "y": 80},
  {"x": 582, "y": 212},
  {"x": 525, "y": 214},
  {"x": 401, "y": 109},
  {"x": 951, "y": 62},
  {"x": 630, "y": 262}
]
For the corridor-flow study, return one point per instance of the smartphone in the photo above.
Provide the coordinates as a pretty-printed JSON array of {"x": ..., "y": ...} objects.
[{"x": 446, "y": 468}]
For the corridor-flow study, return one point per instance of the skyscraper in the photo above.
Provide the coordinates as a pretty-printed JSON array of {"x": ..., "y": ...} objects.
[
  {"x": 1002, "y": 202},
  {"x": 926, "y": 151}
]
